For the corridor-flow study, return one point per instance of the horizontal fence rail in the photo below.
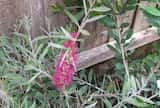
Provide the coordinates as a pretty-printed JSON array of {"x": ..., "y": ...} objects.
[{"x": 102, "y": 53}]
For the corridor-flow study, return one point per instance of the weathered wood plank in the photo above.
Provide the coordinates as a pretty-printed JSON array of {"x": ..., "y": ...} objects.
[
  {"x": 95, "y": 38},
  {"x": 102, "y": 53},
  {"x": 34, "y": 9},
  {"x": 7, "y": 17},
  {"x": 54, "y": 19}
]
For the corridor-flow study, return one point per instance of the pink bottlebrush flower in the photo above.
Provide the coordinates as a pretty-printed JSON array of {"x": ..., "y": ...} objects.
[{"x": 66, "y": 64}]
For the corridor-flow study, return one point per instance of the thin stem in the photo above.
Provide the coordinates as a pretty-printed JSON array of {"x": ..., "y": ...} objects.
[
  {"x": 106, "y": 95},
  {"x": 66, "y": 99},
  {"x": 91, "y": 85},
  {"x": 121, "y": 46},
  {"x": 83, "y": 23}
]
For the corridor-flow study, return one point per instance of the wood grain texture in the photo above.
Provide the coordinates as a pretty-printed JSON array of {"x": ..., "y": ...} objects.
[
  {"x": 52, "y": 19},
  {"x": 34, "y": 9},
  {"x": 95, "y": 38},
  {"x": 37, "y": 10},
  {"x": 7, "y": 16},
  {"x": 13, "y": 10},
  {"x": 102, "y": 53}
]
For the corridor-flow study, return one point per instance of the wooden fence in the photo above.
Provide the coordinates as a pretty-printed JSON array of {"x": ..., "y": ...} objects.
[
  {"x": 38, "y": 10},
  {"x": 13, "y": 10}
]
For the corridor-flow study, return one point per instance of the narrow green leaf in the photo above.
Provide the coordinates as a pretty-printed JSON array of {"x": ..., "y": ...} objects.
[
  {"x": 38, "y": 50},
  {"x": 85, "y": 7},
  {"x": 67, "y": 34},
  {"x": 137, "y": 103},
  {"x": 107, "y": 103},
  {"x": 57, "y": 8},
  {"x": 95, "y": 18},
  {"x": 126, "y": 87},
  {"x": 101, "y": 9},
  {"x": 152, "y": 10},
  {"x": 114, "y": 49},
  {"x": 72, "y": 17},
  {"x": 91, "y": 105},
  {"x": 114, "y": 35},
  {"x": 44, "y": 53},
  {"x": 146, "y": 100},
  {"x": 33, "y": 78},
  {"x": 124, "y": 25},
  {"x": 85, "y": 32},
  {"x": 108, "y": 22},
  {"x": 152, "y": 20},
  {"x": 129, "y": 86},
  {"x": 40, "y": 38},
  {"x": 79, "y": 15},
  {"x": 133, "y": 83},
  {"x": 128, "y": 34},
  {"x": 90, "y": 76},
  {"x": 56, "y": 45}
]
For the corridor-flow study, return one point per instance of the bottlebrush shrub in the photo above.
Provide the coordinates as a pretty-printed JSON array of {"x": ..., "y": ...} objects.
[
  {"x": 27, "y": 66},
  {"x": 129, "y": 85},
  {"x": 27, "y": 81},
  {"x": 66, "y": 64}
]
